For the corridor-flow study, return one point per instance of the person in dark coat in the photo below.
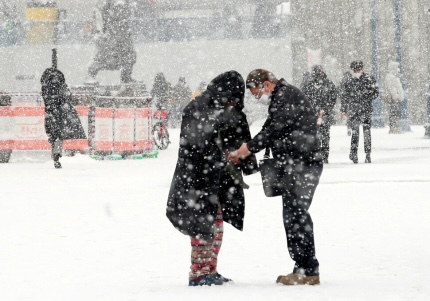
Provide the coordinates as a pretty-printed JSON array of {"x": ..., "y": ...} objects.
[
  {"x": 322, "y": 92},
  {"x": 205, "y": 190},
  {"x": 359, "y": 92},
  {"x": 61, "y": 120},
  {"x": 181, "y": 95},
  {"x": 290, "y": 132}
]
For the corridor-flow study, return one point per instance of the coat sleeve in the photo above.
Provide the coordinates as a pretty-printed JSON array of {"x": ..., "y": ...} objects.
[
  {"x": 371, "y": 89},
  {"x": 284, "y": 110},
  {"x": 343, "y": 93}
]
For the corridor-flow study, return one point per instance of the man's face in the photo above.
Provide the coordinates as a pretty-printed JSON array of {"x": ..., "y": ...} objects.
[{"x": 257, "y": 92}]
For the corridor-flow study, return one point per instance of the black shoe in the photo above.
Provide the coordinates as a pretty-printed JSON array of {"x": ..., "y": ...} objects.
[
  {"x": 205, "y": 280},
  {"x": 368, "y": 159},
  {"x": 57, "y": 164},
  {"x": 222, "y": 278},
  {"x": 353, "y": 158}
]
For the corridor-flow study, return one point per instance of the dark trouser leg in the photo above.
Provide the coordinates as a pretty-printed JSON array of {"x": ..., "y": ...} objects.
[
  {"x": 355, "y": 137},
  {"x": 297, "y": 220},
  {"x": 56, "y": 148},
  {"x": 325, "y": 139},
  {"x": 367, "y": 134}
]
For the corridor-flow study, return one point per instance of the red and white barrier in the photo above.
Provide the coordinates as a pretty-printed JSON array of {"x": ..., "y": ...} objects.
[
  {"x": 23, "y": 128},
  {"x": 103, "y": 129},
  {"x": 121, "y": 130},
  {"x": 124, "y": 129},
  {"x": 6, "y": 129},
  {"x": 79, "y": 144},
  {"x": 109, "y": 130},
  {"x": 143, "y": 129}
]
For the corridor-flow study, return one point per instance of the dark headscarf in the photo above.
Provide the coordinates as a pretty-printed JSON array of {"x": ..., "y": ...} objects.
[{"x": 228, "y": 87}]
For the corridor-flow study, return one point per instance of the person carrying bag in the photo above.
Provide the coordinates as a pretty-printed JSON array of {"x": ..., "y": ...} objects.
[{"x": 290, "y": 132}]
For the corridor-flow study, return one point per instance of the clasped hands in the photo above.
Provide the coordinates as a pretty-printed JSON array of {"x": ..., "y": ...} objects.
[{"x": 240, "y": 153}]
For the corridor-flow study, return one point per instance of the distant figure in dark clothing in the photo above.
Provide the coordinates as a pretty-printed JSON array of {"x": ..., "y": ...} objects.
[
  {"x": 394, "y": 95},
  {"x": 359, "y": 92},
  {"x": 61, "y": 120},
  {"x": 181, "y": 96},
  {"x": 322, "y": 93}
]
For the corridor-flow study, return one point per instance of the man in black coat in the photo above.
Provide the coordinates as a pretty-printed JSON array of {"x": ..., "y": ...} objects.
[
  {"x": 205, "y": 190},
  {"x": 61, "y": 120},
  {"x": 290, "y": 132},
  {"x": 359, "y": 91},
  {"x": 321, "y": 91}
]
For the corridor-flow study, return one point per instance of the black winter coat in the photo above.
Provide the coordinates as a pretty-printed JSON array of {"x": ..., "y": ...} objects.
[
  {"x": 201, "y": 181},
  {"x": 358, "y": 94},
  {"x": 290, "y": 130},
  {"x": 322, "y": 93},
  {"x": 61, "y": 120}
]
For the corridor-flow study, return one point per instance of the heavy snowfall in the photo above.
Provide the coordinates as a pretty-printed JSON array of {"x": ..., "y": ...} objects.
[{"x": 97, "y": 229}]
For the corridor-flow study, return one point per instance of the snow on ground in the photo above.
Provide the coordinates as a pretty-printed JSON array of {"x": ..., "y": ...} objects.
[{"x": 97, "y": 230}]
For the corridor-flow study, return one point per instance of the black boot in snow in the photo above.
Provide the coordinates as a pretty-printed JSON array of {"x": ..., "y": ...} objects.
[
  {"x": 57, "y": 163},
  {"x": 353, "y": 157},
  {"x": 368, "y": 159}
]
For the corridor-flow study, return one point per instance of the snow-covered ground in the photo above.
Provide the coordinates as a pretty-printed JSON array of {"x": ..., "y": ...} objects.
[{"x": 97, "y": 230}]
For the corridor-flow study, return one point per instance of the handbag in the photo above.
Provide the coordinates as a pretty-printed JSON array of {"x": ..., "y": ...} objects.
[{"x": 273, "y": 175}]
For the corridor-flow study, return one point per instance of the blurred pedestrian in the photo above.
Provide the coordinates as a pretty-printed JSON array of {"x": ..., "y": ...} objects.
[
  {"x": 181, "y": 97},
  {"x": 322, "y": 92},
  {"x": 359, "y": 92},
  {"x": 61, "y": 120},
  {"x": 394, "y": 96}
]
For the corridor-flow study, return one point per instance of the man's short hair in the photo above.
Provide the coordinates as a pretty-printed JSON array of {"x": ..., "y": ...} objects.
[
  {"x": 257, "y": 77},
  {"x": 357, "y": 65}
]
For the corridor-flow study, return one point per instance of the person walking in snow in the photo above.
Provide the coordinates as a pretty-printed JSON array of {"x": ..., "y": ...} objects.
[
  {"x": 323, "y": 94},
  {"x": 359, "y": 92},
  {"x": 61, "y": 120},
  {"x": 205, "y": 189},
  {"x": 290, "y": 132},
  {"x": 181, "y": 95},
  {"x": 394, "y": 96}
]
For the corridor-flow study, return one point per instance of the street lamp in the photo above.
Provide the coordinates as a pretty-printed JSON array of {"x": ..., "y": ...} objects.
[
  {"x": 377, "y": 118},
  {"x": 404, "y": 123}
]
